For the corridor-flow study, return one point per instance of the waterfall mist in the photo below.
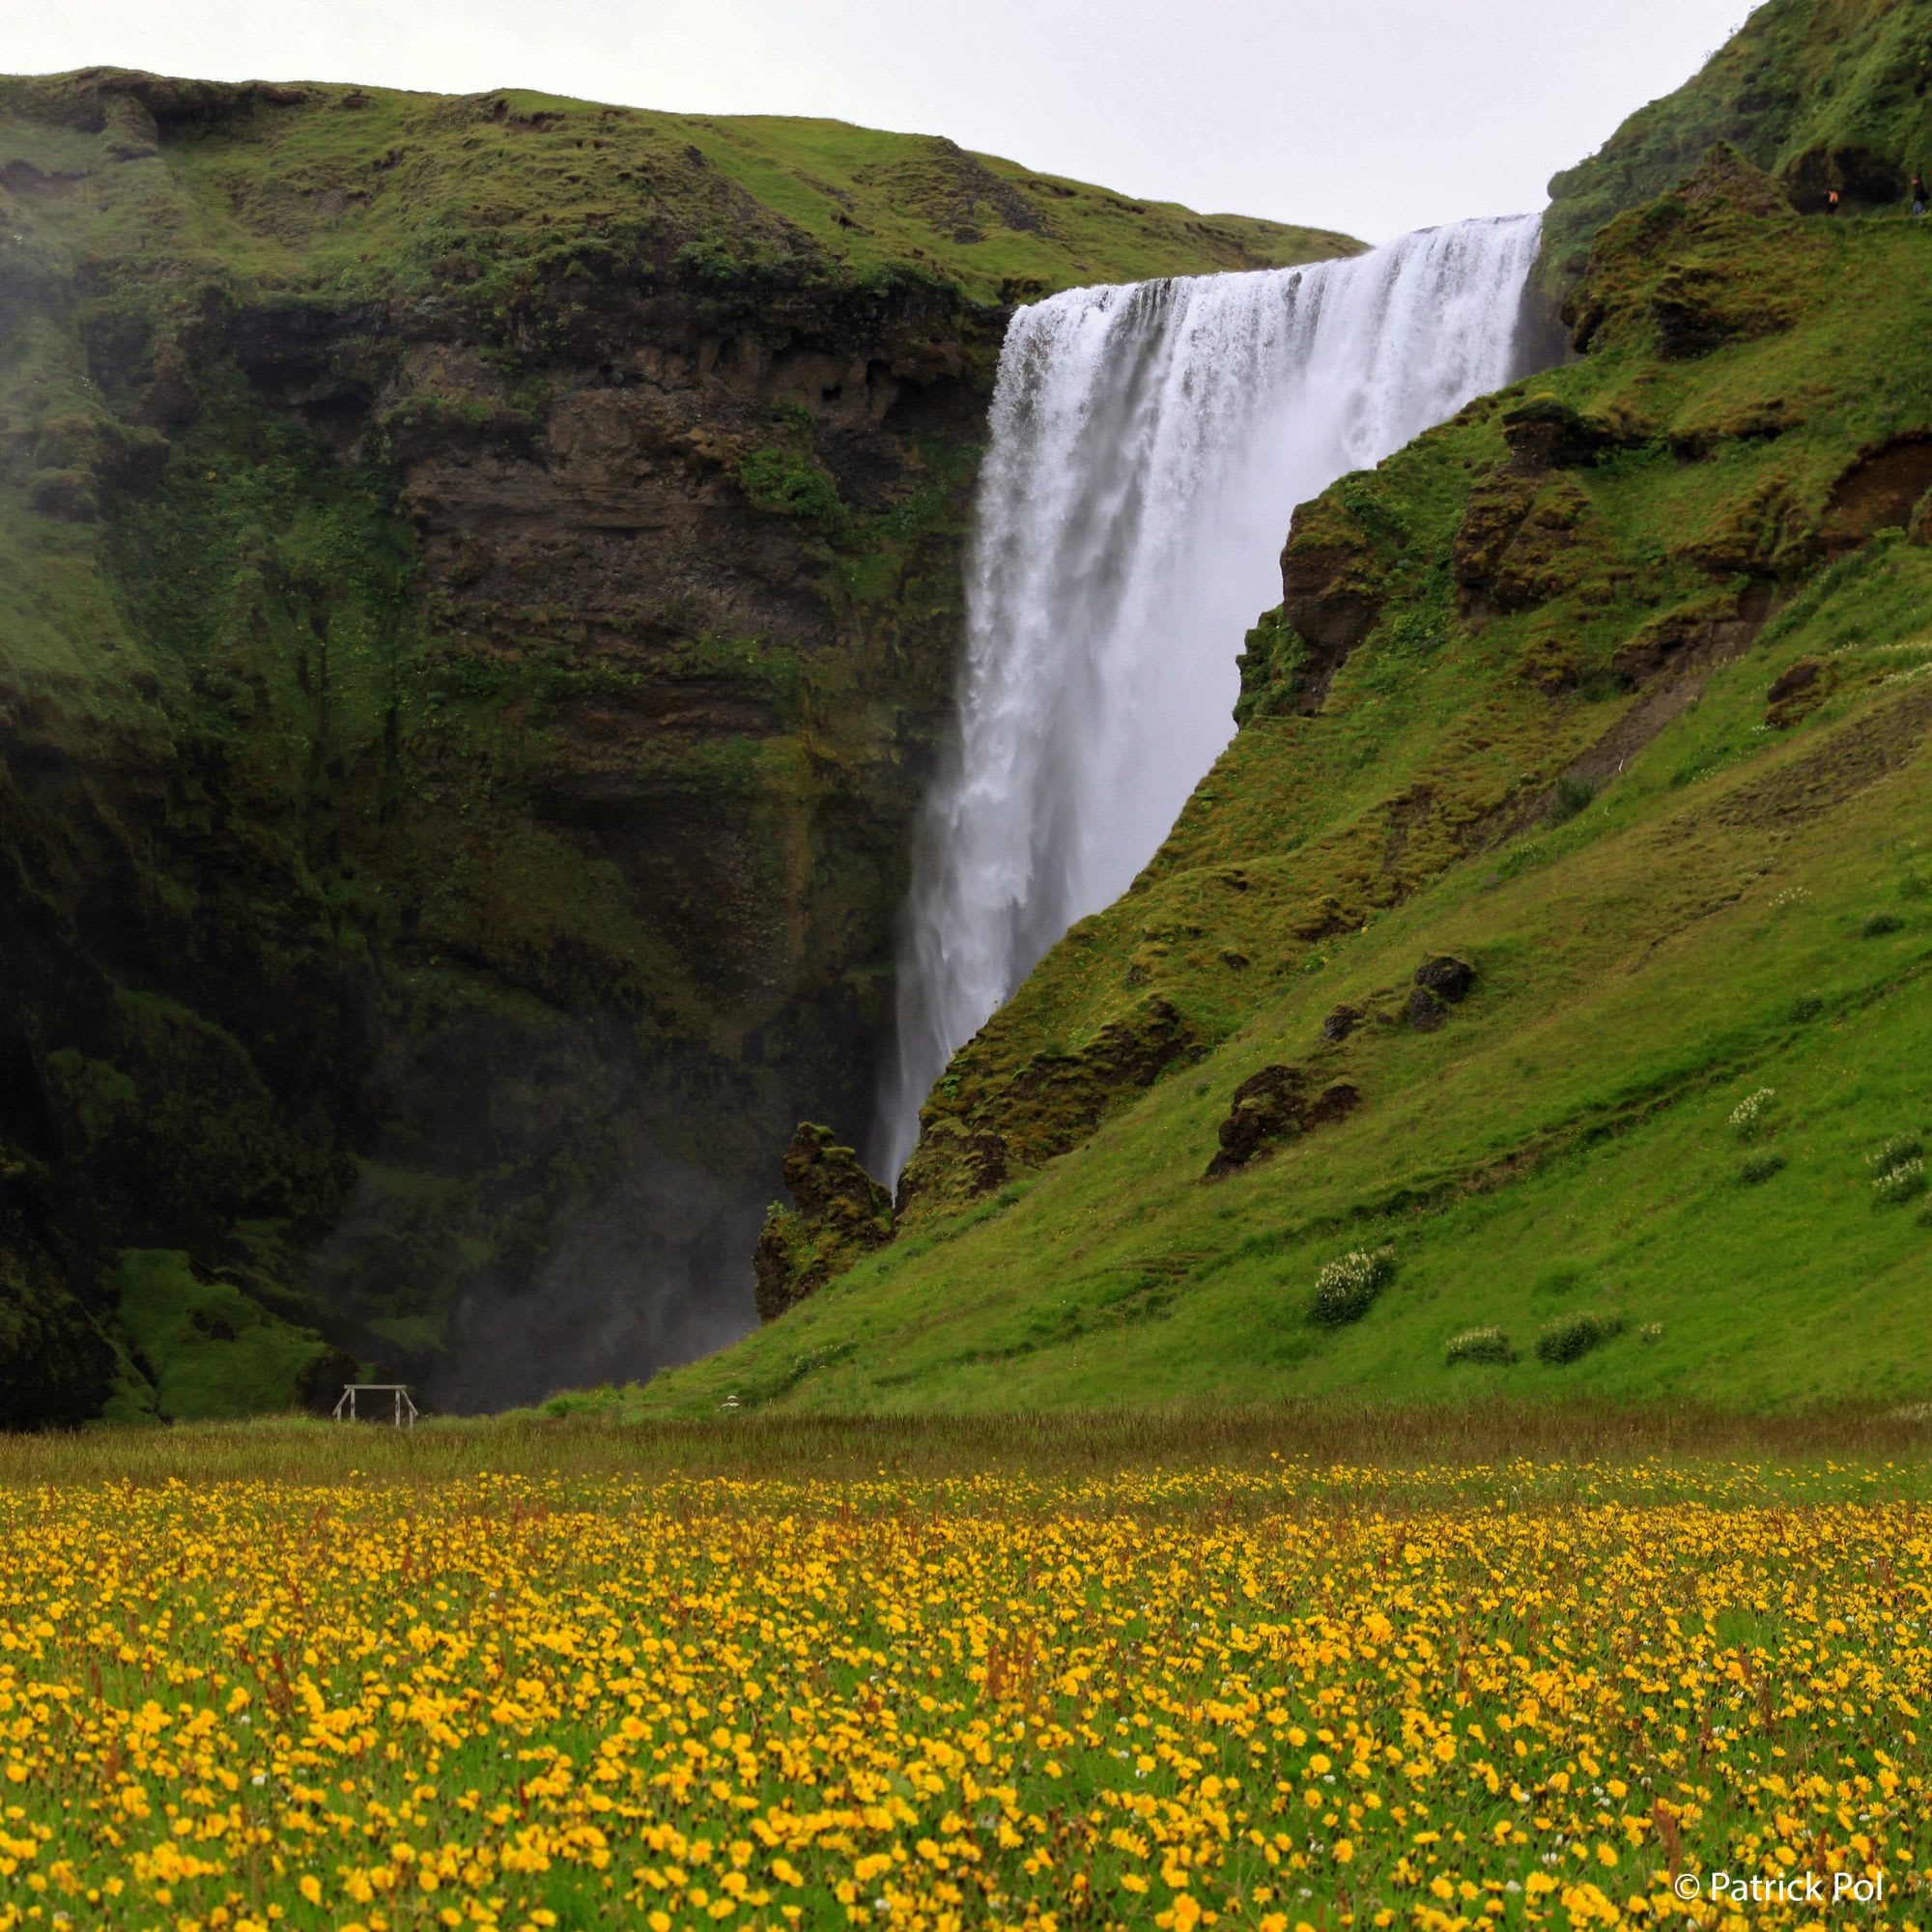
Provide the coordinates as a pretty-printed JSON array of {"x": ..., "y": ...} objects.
[{"x": 1149, "y": 443}]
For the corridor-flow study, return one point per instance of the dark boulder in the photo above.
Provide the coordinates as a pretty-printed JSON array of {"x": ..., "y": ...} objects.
[
  {"x": 1448, "y": 977},
  {"x": 1276, "y": 1104}
]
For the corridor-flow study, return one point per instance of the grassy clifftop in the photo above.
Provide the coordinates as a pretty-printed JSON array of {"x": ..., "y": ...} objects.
[
  {"x": 1533, "y": 997},
  {"x": 371, "y": 190},
  {"x": 1820, "y": 92}
]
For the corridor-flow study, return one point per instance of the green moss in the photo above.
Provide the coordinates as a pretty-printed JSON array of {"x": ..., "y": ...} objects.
[
  {"x": 788, "y": 483},
  {"x": 208, "y": 1348}
]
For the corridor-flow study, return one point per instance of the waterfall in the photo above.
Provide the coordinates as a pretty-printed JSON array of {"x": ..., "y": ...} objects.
[{"x": 1149, "y": 444}]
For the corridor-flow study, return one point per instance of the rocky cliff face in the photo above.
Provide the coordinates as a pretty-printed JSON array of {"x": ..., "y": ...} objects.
[{"x": 481, "y": 598}]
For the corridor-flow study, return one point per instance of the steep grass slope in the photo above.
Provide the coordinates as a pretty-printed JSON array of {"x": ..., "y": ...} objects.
[
  {"x": 476, "y": 595},
  {"x": 1822, "y": 94},
  {"x": 1555, "y": 938}
]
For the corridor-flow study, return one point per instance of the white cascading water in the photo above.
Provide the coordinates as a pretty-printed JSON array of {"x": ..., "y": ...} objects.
[{"x": 1149, "y": 444}]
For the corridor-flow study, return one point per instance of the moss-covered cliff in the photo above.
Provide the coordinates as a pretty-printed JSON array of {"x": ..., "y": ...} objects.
[
  {"x": 1534, "y": 995},
  {"x": 479, "y": 591}
]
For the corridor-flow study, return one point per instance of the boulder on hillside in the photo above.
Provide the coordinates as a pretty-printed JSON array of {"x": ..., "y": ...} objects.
[
  {"x": 1341, "y": 1022},
  {"x": 1446, "y": 977},
  {"x": 1442, "y": 982},
  {"x": 1273, "y": 1105}
]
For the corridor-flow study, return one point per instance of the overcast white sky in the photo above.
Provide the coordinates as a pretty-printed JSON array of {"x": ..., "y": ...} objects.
[{"x": 1373, "y": 116}]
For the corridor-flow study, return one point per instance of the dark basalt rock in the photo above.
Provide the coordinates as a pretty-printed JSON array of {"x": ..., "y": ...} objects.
[
  {"x": 1275, "y": 1104},
  {"x": 1519, "y": 545},
  {"x": 1341, "y": 1023},
  {"x": 1491, "y": 518},
  {"x": 1448, "y": 977},
  {"x": 1046, "y": 1106},
  {"x": 56, "y": 1364}
]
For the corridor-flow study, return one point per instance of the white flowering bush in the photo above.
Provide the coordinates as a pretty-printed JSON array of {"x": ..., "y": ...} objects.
[
  {"x": 1478, "y": 1345},
  {"x": 1898, "y": 1185},
  {"x": 1899, "y": 1168},
  {"x": 1895, "y": 1153},
  {"x": 1345, "y": 1288},
  {"x": 1748, "y": 1115}
]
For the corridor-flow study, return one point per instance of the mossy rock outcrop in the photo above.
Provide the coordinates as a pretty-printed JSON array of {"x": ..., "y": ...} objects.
[{"x": 838, "y": 1215}]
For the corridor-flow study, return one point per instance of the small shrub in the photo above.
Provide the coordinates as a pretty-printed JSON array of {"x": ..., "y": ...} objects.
[
  {"x": 1879, "y": 923},
  {"x": 1571, "y": 1337},
  {"x": 1748, "y": 1115},
  {"x": 1650, "y": 1334},
  {"x": 1899, "y": 1184},
  {"x": 709, "y": 262},
  {"x": 1759, "y": 1168},
  {"x": 1895, "y": 1153},
  {"x": 787, "y": 483},
  {"x": 1345, "y": 1288},
  {"x": 1805, "y": 1006},
  {"x": 1915, "y": 886},
  {"x": 1571, "y": 796},
  {"x": 1478, "y": 1345}
]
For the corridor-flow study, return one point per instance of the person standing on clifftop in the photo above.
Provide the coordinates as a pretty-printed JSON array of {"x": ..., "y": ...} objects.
[{"x": 1918, "y": 194}]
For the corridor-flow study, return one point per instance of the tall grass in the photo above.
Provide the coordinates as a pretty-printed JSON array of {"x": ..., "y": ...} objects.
[{"x": 1485, "y": 1435}]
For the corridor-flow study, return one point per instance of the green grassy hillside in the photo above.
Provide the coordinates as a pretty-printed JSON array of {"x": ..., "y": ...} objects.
[
  {"x": 1625, "y": 703},
  {"x": 1822, "y": 93},
  {"x": 478, "y": 593}
]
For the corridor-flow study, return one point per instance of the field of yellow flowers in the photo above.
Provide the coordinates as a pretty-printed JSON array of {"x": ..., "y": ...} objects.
[{"x": 1281, "y": 1694}]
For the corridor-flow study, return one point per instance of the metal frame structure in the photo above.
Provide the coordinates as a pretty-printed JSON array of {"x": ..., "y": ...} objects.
[{"x": 405, "y": 1409}]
